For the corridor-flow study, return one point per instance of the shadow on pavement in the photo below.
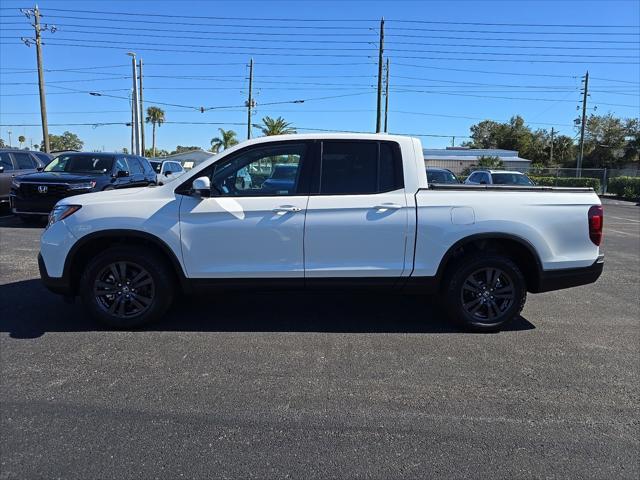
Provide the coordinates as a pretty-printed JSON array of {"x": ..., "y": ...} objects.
[{"x": 28, "y": 310}]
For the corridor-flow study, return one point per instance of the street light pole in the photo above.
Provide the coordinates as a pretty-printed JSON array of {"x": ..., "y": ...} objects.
[{"x": 135, "y": 105}]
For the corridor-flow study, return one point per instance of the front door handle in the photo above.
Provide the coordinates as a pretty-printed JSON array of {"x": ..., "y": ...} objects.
[
  {"x": 286, "y": 209},
  {"x": 388, "y": 206}
]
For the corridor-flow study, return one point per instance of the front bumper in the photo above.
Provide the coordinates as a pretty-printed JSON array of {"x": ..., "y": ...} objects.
[
  {"x": 61, "y": 285},
  {"x": 571, "y": 277}
]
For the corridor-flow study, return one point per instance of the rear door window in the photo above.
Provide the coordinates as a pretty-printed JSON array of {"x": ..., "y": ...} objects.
[
  {"x": 24, "y": 161},
  {"x": 354, "y": 168}
]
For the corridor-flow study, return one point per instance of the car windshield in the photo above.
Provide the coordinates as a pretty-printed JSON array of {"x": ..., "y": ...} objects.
[
  {"x": 441, "y": 176},
  {"x": 285, "y": 172},
  {"x": 511, "y": 179},
  {"x": 81, "y": 164},
  {"x": 157, "y": 166}
]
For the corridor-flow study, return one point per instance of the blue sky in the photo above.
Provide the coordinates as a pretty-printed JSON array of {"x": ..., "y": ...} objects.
[{"x": 444, "y": 76}]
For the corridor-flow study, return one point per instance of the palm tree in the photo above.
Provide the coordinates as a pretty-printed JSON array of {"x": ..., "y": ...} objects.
[
  {"x": 276, "y": 126},
  {"x": 226, "y": 139},
  {"x": 21, "y": 140},
  {"x": 155, "y": 116}
]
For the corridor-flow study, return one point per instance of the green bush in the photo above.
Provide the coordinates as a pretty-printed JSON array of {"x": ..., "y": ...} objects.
[
  {"x": 568, "y": 182},
  {"x": 625, "y": 187}
]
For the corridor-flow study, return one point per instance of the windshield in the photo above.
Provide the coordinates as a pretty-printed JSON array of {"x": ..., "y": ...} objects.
[
  {"x": 441, "y": 176},
  {"x": 80, "y": 164},
  {"x": 511, "y": 179},
  {"x": 157, "y": 166}
]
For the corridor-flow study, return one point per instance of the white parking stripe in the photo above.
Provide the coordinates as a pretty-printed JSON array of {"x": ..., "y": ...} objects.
[
  {"x": 622, "y": 233},
  {"x": 622, "y": 218}
]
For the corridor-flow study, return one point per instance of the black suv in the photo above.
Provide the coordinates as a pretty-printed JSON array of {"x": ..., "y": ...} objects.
[{"x": 34, "y": 195}]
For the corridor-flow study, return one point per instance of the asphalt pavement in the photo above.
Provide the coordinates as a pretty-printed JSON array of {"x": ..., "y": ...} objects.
[{"x": 285, "y": 385}]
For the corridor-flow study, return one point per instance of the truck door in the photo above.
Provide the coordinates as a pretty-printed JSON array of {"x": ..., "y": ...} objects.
[
  {"x": 357, "y": 215},
  {"x": 244, "y": 230}
]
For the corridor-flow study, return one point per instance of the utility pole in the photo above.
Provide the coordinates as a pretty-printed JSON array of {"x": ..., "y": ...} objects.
[
  {"x": 583, "y": 122},
  {"x": 386, "y": 98},
  {"x": 250, "y": 100},
  {"x": 551, "y": 153},
  {"x": 133, "y": 142},
  {"x": 380, "y": 54},
  {"x": 135, "y": 106},
  {"x": 9, "y": 132},
  {"x": 141, "y": 113},
  {"x": 43, "y": 102},
  {"x": 453, "y": 141}
]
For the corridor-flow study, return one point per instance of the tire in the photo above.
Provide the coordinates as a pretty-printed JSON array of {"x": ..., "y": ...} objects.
[
  {"x": 484, "y": 291},
  {"x": 111, "y": 300},
  {"x": 108, "y": 187}
]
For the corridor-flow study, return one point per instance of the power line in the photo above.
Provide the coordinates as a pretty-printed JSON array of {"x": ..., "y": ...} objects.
[
  {"x": 324, "y": 41},
  {"x": 209, "y": 52},
  {"x": 356, "y": 49},
  {"x": 269, "y": 19}
]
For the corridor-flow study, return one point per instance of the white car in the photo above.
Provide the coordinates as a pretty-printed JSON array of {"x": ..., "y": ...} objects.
[
  {"x": 497, "y": 177},
  {"x": 359, "y": 213},
  {"x": 166, "y": 170}
]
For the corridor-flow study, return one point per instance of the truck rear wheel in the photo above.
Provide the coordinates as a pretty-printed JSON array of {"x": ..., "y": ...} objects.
[
  {"x": 126, "y": 287},
  {"x": 484, "y": 291}
]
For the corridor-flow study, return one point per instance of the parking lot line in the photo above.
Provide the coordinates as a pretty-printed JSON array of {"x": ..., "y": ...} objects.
[
  {"x": 627, "y": 219},
  {"x": 621, "y": 233}
]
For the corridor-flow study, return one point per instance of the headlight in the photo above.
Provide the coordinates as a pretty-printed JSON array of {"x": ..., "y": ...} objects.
[
  {"x": 15, "y": 183},
  {"x": 60, "y": 212},
  {"x": 82, "y": 186}
]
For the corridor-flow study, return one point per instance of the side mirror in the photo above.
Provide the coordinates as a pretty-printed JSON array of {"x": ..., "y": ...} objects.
[
  {"x": 122, "y": 174},
  {"x": 40, "y": 169},
  {"x": 483, "y": 182},
  {"x": 167, "y": 173},
  {"x": 202, "y": 186}
]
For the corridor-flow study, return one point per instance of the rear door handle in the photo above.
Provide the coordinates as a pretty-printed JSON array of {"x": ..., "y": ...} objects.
[
  {"x": 388, "y": 206},
  {"x": 286, "y": 209}
]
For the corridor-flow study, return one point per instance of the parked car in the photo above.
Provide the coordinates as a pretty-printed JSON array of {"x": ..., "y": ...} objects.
[
  {"x": 15, "y": 162},
  {"x": 282, "y": 178},
  {"x": 498, "y": 177},
  {"x": 359, "y": 214},
  {"x": 166, "y": 170},
  {"x": 33, "y": 195},
  {"x": 441, "y": 175}
]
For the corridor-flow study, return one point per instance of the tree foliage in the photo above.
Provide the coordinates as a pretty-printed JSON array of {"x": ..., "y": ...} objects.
[
  {"x": 66, "y": 141},
  {"x": 2, "y": 144},
  {"x": 155, "y": 116},
  {"x": 609, "y": 141},
  {"x": 226, "y": 139},
  {"x": 21, "y": 140},
  {"x": 276, "y": 126},
  {"x": 183, "y": 149}
]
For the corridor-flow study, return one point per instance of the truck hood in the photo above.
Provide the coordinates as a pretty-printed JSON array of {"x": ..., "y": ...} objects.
[{"x": 58, "y": 177}]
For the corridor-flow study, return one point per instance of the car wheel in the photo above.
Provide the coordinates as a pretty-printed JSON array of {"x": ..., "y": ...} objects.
[
  {"x": 484, "y": 291},
  {"x": 126, "y": 287},
  {"x": 108, "y": 187}
]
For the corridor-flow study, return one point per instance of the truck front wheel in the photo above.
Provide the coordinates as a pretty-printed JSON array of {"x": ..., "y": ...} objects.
[
  {"x": 126, "y": 287},
  {"x": 483, "y": 291}
]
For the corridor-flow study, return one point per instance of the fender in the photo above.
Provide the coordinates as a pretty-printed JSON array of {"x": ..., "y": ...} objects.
[
  {"x": 433, "y": 284},
  {"x": 121, "y": 233}
]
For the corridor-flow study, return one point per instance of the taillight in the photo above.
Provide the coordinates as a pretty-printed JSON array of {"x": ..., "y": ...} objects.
[{"x": 596, "y": 221}]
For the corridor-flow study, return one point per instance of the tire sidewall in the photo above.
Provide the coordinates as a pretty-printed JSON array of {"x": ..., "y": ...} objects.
[
  {"x": 460, "y": 273},
  {"x": 163, "y": 284}
]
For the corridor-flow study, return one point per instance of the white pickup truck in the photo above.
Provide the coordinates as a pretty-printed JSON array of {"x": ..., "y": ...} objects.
[{"x": 353, "y": 211}]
